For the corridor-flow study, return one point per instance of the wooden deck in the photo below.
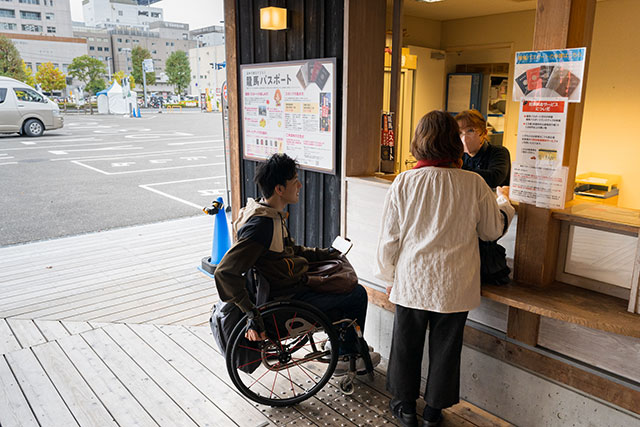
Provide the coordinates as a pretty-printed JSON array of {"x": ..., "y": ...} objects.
[{"x": 111, "y": 329}]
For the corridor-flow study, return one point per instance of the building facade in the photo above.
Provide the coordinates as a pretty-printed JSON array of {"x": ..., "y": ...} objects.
[
  {"x": 208, "y": 71},
  {"x": 114, "y": 13}
]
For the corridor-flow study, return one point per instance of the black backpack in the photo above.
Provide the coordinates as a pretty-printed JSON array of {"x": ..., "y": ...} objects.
[{"x": 226, "y": 316}]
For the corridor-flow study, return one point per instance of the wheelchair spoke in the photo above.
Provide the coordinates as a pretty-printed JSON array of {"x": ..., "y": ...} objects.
[
  {"x": 274, "y": 383},
  {"x": 291, "y": 382}
]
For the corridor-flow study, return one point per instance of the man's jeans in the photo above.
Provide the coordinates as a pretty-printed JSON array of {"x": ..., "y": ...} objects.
[{"x": 340, "y": 306}]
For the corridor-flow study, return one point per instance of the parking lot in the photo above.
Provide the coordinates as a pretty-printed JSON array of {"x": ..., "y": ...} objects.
[{"x": 104, "y": 172}]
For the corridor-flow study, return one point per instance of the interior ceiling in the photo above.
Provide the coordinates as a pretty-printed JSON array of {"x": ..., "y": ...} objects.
[{"x": 457, "y": 9}]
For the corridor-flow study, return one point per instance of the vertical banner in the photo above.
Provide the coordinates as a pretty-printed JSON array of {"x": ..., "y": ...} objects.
[
  {"x": 289, "y": 107},
  {"x": 387, "y": 136}
]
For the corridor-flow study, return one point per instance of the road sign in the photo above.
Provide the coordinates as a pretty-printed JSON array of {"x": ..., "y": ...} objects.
[{"x": 147, "y": 65}]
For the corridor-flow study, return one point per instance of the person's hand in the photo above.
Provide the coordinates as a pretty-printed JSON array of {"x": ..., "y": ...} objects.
[
  {"x": 255, "y": 326},
  {"x": 389, "y": 289},
  {"x": 503, "y": 191}
]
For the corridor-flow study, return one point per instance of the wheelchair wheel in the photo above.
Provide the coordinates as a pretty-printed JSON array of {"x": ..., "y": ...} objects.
[{"x": 292, "y": 364}]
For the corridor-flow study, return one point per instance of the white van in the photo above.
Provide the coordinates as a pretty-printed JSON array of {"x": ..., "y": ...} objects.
[{"x": 24, "y": 110}]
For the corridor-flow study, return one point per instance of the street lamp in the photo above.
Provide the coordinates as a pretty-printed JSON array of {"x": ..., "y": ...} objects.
[
  {"x": 198, "y": 40},
  {"x": 109, "y": 66}
]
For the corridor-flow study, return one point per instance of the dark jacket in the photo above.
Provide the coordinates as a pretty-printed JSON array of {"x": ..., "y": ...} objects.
[
  {"x": 491, "y": 162},
  {"x": 263, "y": 242}
]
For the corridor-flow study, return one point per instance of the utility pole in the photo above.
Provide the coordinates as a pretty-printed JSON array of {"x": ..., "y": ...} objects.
[
  {"x": 198, "y": 38},
  {"x": 109, "y": 66}
]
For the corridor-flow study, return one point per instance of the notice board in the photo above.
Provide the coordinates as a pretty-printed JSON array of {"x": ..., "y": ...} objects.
[{"x": 289, "y": 107}]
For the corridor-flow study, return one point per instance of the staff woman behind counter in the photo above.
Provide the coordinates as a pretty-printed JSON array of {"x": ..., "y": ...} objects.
[{"x": 428, "y": 252}]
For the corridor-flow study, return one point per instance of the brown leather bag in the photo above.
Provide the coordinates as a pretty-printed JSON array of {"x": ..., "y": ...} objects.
[{"x": 334, "y": 276}]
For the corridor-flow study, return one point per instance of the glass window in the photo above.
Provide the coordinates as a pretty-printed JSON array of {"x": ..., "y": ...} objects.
[
  {"x": 51, "y": 29},
  {"x": 90, "y": 39},
  {"x": 119, "y": 40},
  {"x": 119, "y": 49},
  {"x": 119, "y": 13},
  {"x": 7, "y": 26},
  {"x": 9, "y": 1},
  {"x": 32, "y": 28},
  {"x": 92, "y": 48},
  {"x": 49, "y": 16},
  {"x": 106, "y": 49},
  {"x": 3, "y": 94},
  {"x": 30, "y": 15},
  {"x": 38, "y": 64},
  {"x": 7, "y": 13},
  {"x": 28, "y": 95},
  {"x": 99, "y": 48},
  {"x": 126, "y": 40},
  {"x": 155, "y": 15},
  {"x": 65, "y": 68},
  {"x": 29, "y": 1}
]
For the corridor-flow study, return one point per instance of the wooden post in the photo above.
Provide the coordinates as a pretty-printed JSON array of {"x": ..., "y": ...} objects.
[
  {"x": 235, "y": 159},
  {"x": 396, "y": 69},
  {"x": 559, "y": 24}
]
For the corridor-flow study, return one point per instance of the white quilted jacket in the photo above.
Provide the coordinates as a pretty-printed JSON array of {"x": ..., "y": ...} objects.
[{"x": 428, "y": 243}]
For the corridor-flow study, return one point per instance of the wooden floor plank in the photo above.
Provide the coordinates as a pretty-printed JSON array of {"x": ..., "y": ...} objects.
[
  {"x": 188, "y": 397},
  {"x": 75, "y": 327},
  {"x": 45, "y": 402},
  {"x": 8, "y": 341},
  {"x": 26, "y": 332},
  {"x": 186, "y": 311},
  {"x": 51, "y": 329},
  {"x": 124, "y": 408},
  {"x": 215, "y": 363},
  {"x": 80, "y": 399},
  {"x": 224, "y": 397},
  {"x": 146, "y": 391},
  {"x": 14, "y": 408}
]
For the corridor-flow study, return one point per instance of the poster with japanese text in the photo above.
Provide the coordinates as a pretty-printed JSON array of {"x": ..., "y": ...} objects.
[
  {"x": 541, "y": 132},
  {"x": 544, "y": 187},
  {"x": 289, "y": 107},
  {"x": 548, "y": 74}
]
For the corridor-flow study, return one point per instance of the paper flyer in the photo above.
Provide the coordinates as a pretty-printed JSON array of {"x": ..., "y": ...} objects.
[
  {"x": 549, "y": 74},
  {"x": 544, "y": 187},
  {"x": 288, "y": 107},
  {"x": 541, "y": 133}
]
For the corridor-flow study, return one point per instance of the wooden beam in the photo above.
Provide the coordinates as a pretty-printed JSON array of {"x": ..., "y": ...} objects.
[
  {"x": 233, "y": 91},
  {"x": 363, "y": 79},
  {"x": 559, "y": 24},
  {"x": 523, "y": 326}
]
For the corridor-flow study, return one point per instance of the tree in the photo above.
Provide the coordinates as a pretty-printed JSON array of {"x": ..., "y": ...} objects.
[
  {"x": 178, "y": 70},
  {"x": 50, "y": 78},
  {"x": 10, "y": 60},
  {"x": 119, "y": 75},
  {"x": 138, "y": 54},
  {"x": 29, "y": 75},
  {"x": 89, "y": 71}
]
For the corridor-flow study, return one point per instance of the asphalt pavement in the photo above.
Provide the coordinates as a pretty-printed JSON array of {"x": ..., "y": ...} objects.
[{"x": 104, "y": 172}]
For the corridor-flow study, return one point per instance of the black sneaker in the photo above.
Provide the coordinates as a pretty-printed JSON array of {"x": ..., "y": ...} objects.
[
  {"x": 406, "y": 419},
  {"x": 431, "y": 412}
]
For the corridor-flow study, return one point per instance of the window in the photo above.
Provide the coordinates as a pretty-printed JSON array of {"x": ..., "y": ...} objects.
[
  {"x": 7, "y": 26},
  {"x": 65, "y": 68},
  {"x": 7, "y": 0},
  {"x": 155, "y": 15},
  {"x": 171, "y": 43},
  {"x": 49, "y": 16},
  {"x": 90, "y": 39},
  {"x": 119, "y": 13},
  {"x": 7, "y": 13},
  {"x": 28, "y": 95},
  {"x": 126, "y": 40},
  {"x": 106, "y": 49},
  {"x": 3, "y": 94},
  {"x": 38, "y": 64},
  {"x": 143, "y": 12},
  {"x": 29, "y": 1},
  {"x": 51, "y": 29},
  {"x": 101, "y": 58},
  {"x": 30, "y": 15},
  {"x": 92, "y": 48},
  {"x": 119, "y": 40},
  {"x": 99, "y": 48},
  {"x": 154, "y": 52},
  {"x": 32, "y": 28},
  {"x": 119, "y": 49}
]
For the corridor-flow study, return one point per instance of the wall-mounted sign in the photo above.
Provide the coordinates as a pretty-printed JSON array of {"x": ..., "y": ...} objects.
[
  {"x": 548, "y": 74},
  {"x": 289, "y": 107}
]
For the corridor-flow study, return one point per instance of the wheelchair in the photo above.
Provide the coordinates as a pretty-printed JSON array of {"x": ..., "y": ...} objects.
[{"x": 298, "y": 357}]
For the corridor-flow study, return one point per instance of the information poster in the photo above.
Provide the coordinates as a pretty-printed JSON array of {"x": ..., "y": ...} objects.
[
  {"x": 541, "y": 132},
  {"x": 289, "y": 107},
  {"x": 541, "y": 186},
  {"x": 548, "y": 74}
]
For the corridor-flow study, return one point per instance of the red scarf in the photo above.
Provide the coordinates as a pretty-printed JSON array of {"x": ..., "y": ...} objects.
[{"x": 438, "y": 163}]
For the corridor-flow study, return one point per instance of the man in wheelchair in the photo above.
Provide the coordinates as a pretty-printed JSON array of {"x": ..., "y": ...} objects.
[{"x": 263, "y": 242}]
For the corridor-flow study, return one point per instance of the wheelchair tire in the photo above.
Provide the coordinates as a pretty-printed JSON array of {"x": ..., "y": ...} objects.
[{"x": 291, "y": 365}]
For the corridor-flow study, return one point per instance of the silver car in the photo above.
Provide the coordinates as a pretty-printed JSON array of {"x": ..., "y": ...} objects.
[{"x": 24, "y": 110}]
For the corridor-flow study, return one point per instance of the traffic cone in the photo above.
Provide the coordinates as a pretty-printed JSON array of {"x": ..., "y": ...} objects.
[{"x": 221, "y": 240}]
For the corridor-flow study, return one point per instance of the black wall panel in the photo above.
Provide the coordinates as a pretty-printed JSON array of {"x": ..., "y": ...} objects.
[{"x": 315, "y": 30}]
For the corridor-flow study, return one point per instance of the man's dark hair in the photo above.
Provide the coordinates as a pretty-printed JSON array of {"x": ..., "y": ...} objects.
[{"x": 277, "y": 170}]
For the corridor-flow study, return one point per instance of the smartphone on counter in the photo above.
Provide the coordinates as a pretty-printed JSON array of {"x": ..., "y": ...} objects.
[{"x": 341, "y": 244}]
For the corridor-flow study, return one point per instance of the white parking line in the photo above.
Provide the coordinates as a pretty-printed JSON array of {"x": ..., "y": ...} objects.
[
  {"x": 195, "y": 142},
  {"x": 107, "y": 143},
  {"x": 129, "y": 156},
  {"x": 186, "y": 202},
  {"x": 123, "y": 147},
  {"x": 143, "y": 170},
  {"x": 9, "y": 163}
]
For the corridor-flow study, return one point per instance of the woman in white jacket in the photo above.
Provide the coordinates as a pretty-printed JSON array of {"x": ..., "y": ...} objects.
[{"x": 428, "y": 254}]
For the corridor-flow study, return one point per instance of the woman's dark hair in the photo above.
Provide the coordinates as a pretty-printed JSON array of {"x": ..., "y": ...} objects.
[
  {"x": 437, "y": 137},
  {"x": 277, "y": 170}
]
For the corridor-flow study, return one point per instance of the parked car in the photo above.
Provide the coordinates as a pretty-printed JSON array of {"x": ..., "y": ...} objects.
[{"x": 24, "y": 110}]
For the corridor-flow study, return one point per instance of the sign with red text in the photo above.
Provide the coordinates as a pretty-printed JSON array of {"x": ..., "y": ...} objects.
[
  {"x": 544, "y": 187},
  {"x": 541, "y": 132},
  {"x": 289, "y": 107}
]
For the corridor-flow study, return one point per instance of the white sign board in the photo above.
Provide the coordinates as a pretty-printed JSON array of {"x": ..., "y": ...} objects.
[
  {"x": 541, "y": 186},
  {"x": 147, "y": 65},
  {"x": 548, "y": 74},
  {"x": 289, "y": 107},
  {"x": 541, "y": 132}
]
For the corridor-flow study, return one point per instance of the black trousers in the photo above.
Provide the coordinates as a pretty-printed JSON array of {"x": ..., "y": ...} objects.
[{"x": 445, "y": 345}]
